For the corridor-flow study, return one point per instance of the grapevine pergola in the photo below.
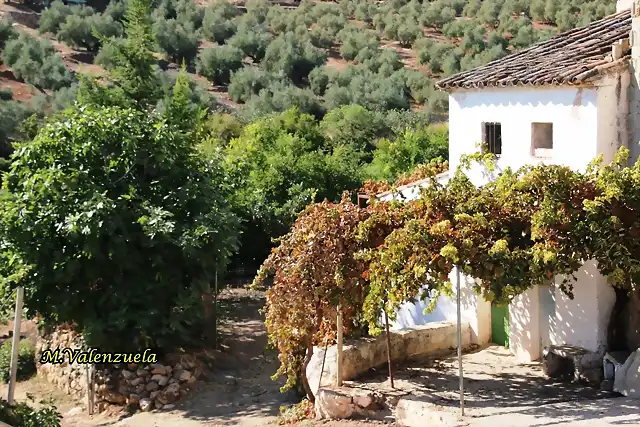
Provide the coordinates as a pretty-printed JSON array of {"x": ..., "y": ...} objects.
[{"x": 521, "y": 230}]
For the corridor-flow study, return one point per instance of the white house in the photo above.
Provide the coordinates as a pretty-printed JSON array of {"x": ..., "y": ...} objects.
[{"x": 562, "y": 101}]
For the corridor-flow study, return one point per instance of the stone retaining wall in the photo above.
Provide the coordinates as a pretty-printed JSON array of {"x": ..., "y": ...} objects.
[
  {"x": 364, "y": 354},
  {"x": 148, "y": 386}
]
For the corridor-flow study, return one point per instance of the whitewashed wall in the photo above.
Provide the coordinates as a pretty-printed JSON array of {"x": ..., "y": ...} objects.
[
  {"x": 586, "y": 122},
  {"x": 473, "y": 309},
  {"x": 572, "y": 111}
]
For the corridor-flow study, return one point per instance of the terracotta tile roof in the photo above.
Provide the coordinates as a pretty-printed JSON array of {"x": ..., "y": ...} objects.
[{"x": 573, "y": 57}]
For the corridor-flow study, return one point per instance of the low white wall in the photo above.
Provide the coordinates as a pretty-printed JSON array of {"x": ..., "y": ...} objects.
[
  {"x": 364, "y": 354},
  {"x": 474, "y": 310}
]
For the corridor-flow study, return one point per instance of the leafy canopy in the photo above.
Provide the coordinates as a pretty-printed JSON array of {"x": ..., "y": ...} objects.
[{"x": 111, "y": 220}]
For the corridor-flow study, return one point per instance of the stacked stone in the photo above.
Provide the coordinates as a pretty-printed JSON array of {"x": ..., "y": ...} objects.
[
  {"x": 148, "y": 387},
  {"x": 153, "y": 386},
  {"x": 71, "y": 378}
]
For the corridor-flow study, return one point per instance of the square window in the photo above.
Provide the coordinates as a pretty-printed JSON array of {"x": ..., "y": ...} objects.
[
  {"x": 541, "y": 139},
  {"x": 492, "y": 137}
]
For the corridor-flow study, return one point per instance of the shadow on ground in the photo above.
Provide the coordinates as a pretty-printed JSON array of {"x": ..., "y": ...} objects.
[
  {"x": 494, "y": 383},
  {"x": 239, "y": 390}
]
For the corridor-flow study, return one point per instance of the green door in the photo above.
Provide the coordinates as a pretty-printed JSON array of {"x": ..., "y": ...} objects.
[{"x": 500, "y": 324}]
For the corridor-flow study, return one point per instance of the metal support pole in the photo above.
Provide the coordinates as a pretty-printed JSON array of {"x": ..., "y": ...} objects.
[
  {"x": 215, "y": 311},
  {"x": 460, "y": 341},
  {"x": 15, "y": 344},
  {"x": 339, "y": 342}
]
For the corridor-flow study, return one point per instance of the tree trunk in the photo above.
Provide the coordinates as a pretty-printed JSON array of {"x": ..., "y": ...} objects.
[
  {"x": 303, "y": 376},
  {"x": 210, "y": 321},
  {"x": 632, "y": 317},
  {"x": 618, "y": 322},
  {"x": 386, "y": 324}
]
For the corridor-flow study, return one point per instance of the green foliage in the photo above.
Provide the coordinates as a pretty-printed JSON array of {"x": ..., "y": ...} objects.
[
  {"x": 7, "y": 32},
  {"x": 280, "y": 96},
  {"x": 178, "y": 39},
  {"x": 26, "y": 360},
  {"x": 252, "y": 42},
  {"x": 393, "y": 158},
  {"x": 218, "y": 25},
  {"x": 351, "y": 125},
  {"x": 133, "y": 72},
  {"x": 36, "y": 62},
  {"x": 23, "y": 415},
  {"x": 223, "y": 128},
  {"x": 217, "y": 63},
  {"x": 182, "y": 10},
  {"x": 282, "y": 165},
  {"x": 354, "y": 42},
  {"x": 80, "y": 31},
  {"x": 147, "y": 226},
  {"x": 11, "y": 114},
  {"x": 249, "y": 81},
  {"x": 53, "y": 17},
  {"x": 292, "y": 57}
]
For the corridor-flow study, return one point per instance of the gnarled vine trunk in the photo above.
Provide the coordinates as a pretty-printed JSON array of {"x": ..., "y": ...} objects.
[
  {"x": 616, "y": 333},
  {"x": 632, "y": 317},
  {"x": 303, "y": 374}
]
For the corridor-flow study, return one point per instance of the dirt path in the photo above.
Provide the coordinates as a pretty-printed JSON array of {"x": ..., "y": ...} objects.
[{"x": 238, "y": 393}]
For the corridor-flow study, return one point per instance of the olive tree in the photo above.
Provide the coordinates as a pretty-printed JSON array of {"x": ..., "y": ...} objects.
[
  {"x": 293, "y": 57},
  {"x": 217, "y": 63}
]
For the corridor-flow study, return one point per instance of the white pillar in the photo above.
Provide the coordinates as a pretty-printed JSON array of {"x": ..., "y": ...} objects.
[{"x": 524, "y": 326}]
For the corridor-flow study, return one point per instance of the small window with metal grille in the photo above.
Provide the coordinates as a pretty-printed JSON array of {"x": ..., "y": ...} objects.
[{"x": 492, "y": 137}]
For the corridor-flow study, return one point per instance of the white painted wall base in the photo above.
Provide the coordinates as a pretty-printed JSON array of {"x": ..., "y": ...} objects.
[
  {"x": 524, "y": 326},
  {"x": 475, "y": 311}
]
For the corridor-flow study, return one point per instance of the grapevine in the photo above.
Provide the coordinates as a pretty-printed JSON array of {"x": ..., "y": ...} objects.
[{"x": 536, "y": 225}]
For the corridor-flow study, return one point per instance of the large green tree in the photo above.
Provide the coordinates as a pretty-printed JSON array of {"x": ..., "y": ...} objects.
[{"x": 111, "y": 221}]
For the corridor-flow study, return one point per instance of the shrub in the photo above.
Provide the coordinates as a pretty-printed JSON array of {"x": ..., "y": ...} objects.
[
  {"x": 26, "y": 360},
  {"x": 281, "y": 96},
  {"x": 79, "y": 31},
  {"x": 354, "y": 42},
  {"x": 413, "y": 147},
  {"x": 217, "y": 63},
  {"x": 247, "y": 82},
  {"x": 294, "y": 58},
  {"x": 177, "y": 38},
  {"x": 7, "y": 32},
  {"x": 217, "y": 24},
  {"x": 23, "y": 415},
  {"x": 183, "y": 10},
  {"x": 318, "y": 80},
  {"x": 252, "y": 41},
  {"x": 223, "y": 127},
  {"x": 351, "y": 124},
  {"x": 408, "y": 32},
  {"x": 36, "y": 62},
  {"x": 326, "y": 28},
  {"x": 53, "y": 17},
  {"x": 11, "y": 114},
  {"x": 106, "y": 56},
  {"x": 116, "y": 10},
  {"x": 199, "y": 96}
]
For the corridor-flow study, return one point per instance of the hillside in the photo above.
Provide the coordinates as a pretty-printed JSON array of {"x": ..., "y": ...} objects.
[{"x": 319, "y": 55}]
